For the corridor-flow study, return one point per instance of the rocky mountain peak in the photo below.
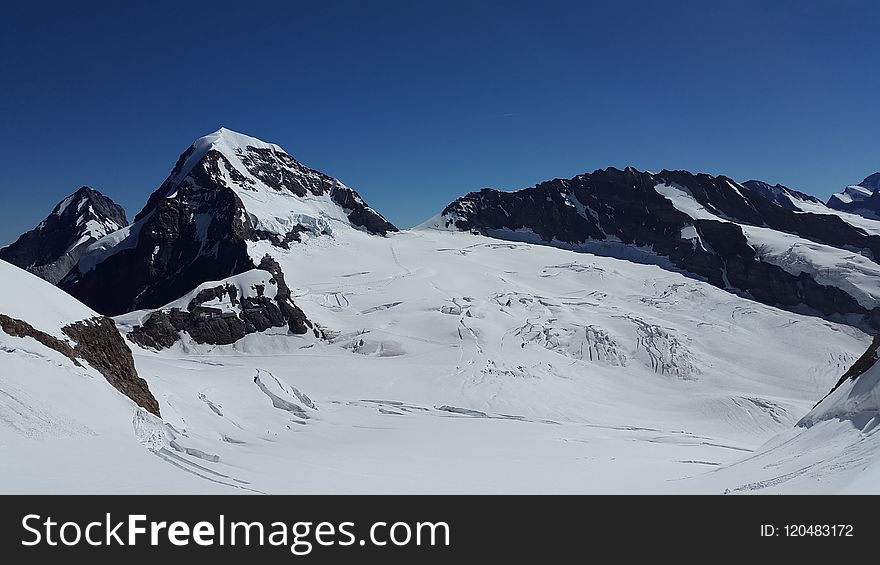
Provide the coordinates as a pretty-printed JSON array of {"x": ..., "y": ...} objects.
[
  {"x": 871, "y": 182},
  {"x": 54, "y": 246},
  {"x": 862, "y": 198},
  {"x": 228, "y": 194}
]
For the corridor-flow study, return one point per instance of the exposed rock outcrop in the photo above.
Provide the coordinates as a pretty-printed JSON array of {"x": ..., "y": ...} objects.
[
  {"x": 97, "y": 342},
  {"x": 20, "y": 328},
  {"x": 255, "y": 308}
]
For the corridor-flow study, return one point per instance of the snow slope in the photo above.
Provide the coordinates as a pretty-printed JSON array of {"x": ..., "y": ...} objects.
[
  {"x": 63, "y": 427},
  {"x": 452, "y": 363},
  {"x": 853, "y": 193},
  {"x": 27, "y": 297},
  {"x": 459, "y": 363},
  {"x": 835, "y": 448},
  {"x": 869, "y": 224}
]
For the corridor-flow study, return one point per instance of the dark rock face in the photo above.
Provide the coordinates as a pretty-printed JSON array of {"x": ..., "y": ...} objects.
[
  {"x": 282, "y": 172},
  {"x": 212, "y": 326},
  {"x": 871, "y": 182},
  {"x": 180, "y": 242},
  {"x": 159, "y": 330},
  {"x": 20, "y": 328},
  {"x": 53, "y": 248},
  {"x": 359, "y": 214},
  {"x": 97, "y": 341},
  {"x": 296, "y": 319},
  {"x": 195, "y": 228},
  {"x": 622, "y": 206}
]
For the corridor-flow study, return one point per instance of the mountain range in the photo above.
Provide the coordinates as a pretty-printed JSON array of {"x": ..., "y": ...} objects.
[{"x": 257, "y": 312}]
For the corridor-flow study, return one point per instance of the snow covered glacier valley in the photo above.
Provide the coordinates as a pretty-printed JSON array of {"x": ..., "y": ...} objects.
[
  {"x": 569, "y": 353},
  {"x": 458, "y": 363}
]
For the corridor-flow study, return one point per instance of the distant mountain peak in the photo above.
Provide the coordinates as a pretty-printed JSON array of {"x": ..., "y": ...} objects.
[
  {"x": 53, "y": 248},
  {"x": 871, "y": 182},
  {"x": 859, "y": 198}
]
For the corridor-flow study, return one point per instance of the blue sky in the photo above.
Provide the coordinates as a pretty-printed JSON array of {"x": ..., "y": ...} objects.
[{"x": 416, "y": 103}]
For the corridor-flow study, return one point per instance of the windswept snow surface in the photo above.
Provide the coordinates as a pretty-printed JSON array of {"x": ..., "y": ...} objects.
[
  {"x": 458, "y": 363},
  {"x": 63, "y": 427},
  {"x": 28, "y": 297},
  {"x": 835, "y": 448}
]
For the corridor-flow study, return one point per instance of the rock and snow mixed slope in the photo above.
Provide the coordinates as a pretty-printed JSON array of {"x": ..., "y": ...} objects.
[
  {"x": 782, "y": 195},
  {"x": 64, "y": 424},
  {"x": 54, "y": 247},
  {"x": 758, "y": 242},
  {"x": 226, "y": 192},
  {"x": 861, "y": 199},
  {"x": 223, "y": 312}
]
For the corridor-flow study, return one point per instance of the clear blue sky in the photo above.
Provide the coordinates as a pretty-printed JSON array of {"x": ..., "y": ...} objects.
[{"x": 416, "y": 103}]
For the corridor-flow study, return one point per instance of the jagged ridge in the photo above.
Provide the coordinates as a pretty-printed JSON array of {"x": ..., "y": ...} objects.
[
  {"x": 226, "y": 192},
  {"x": 708, "y": 226},
  {"x": 53, "y": 248}
]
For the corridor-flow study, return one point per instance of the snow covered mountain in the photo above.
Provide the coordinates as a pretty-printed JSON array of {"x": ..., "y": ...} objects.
[
  {"x": 735, "y": 237},
  {"x": 54, "y": 247},
  {"x": 861, "y": 199},
  {"x": 448, "y": 362},
  {"x": 782, "y": 195},
  {"x": 227, "y": 192}
]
